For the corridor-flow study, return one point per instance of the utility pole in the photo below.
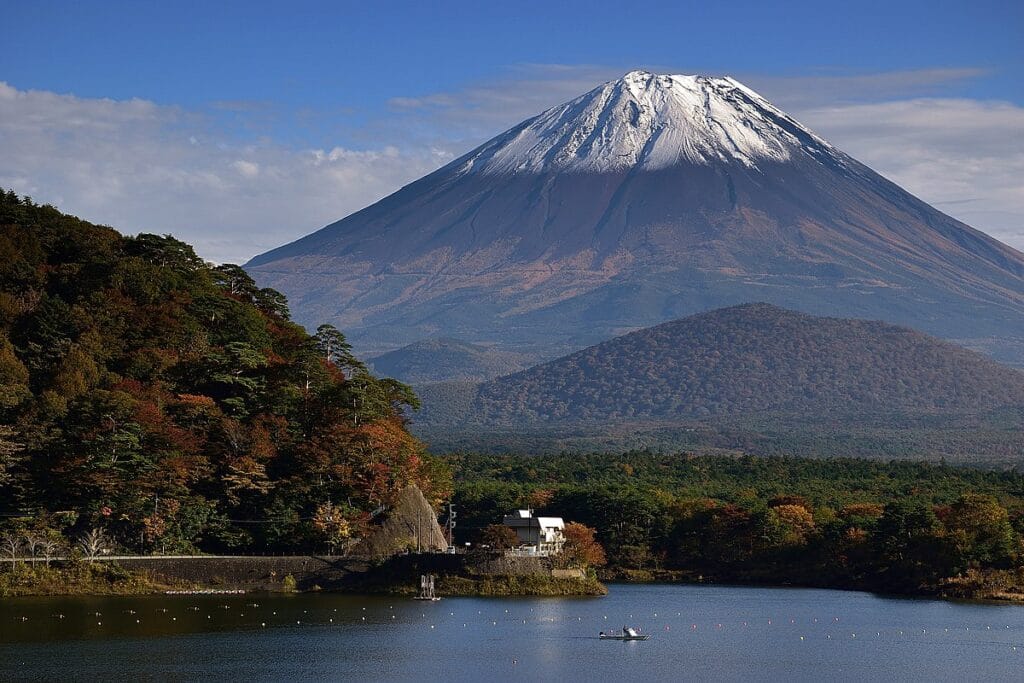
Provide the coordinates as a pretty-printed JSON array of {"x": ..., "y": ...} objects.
[{"x": 451, "y": 524}]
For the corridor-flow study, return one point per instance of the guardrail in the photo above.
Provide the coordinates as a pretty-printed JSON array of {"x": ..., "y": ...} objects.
[{"x": 114, "y": 558}]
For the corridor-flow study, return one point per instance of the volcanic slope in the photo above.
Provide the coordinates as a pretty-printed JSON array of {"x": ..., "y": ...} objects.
[{"x": 646, "y": 199}]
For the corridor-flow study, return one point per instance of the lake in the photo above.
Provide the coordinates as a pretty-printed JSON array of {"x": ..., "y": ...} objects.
[{"x": 698, "y": 633}]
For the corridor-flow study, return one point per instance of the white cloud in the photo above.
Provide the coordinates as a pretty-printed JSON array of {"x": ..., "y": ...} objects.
[
  {"x": 966, "y": 157},
  {"x": 247, "y": 169},
  {"x": 143, "y": 167},
  {"x": 140, "y": 166}
]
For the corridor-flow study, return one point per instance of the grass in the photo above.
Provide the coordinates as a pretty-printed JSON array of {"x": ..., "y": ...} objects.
[{"x": 77, "y": 578}]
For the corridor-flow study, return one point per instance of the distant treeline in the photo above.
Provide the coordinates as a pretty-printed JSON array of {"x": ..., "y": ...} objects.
[
  {"x": 902, "y": 527},
  {"x": 995, "y": 438}
]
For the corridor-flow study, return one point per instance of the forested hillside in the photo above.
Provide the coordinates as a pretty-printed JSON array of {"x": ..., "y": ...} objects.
[
  {"x": 447, "y": 360},
  {"x": 171, "y": 404},
  {"x": 902, "y": 527},
  {"x": 752, "y": 358}
]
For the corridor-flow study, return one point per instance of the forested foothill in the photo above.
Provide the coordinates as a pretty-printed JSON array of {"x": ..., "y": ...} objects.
[
  {"x": 170, "y": 405},
  {"x": 752, "y": 378}
]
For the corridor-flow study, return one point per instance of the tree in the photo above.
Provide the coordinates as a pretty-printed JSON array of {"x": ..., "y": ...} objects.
[
  {"x": 165, "y": 251},
  {"x": 35, "y": 542},
  {"x": 787, "y": 525},
  {"x": 9, "y": 450},
  {"x": 908, "y": 546},
  {"x": 273, "y": 302},
  {"x": 499, "y": 537},
  {"x": 234, "y": 280},
  {"x": 329, "y": 520},
  {"x": 49, "y": 545},
  {"x": 538, "y": 499},
  {"x": 94, "y": 543},
  {"x": 581, "y": 548},
  {"x": 335, "y": 349},
  {"x": 980, "y": 532},
  {"x": 12, "y": 543}
]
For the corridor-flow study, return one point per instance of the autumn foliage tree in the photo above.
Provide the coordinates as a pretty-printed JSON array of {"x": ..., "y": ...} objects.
[
  {"x": 581, "y": 548},
  {"x": 174, "y": 406},
  {"x": 498, "y": 537}
]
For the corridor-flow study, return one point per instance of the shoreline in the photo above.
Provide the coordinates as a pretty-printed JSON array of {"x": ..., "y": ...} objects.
[
  {"x": 943, "y": 593},
  {"x": 297, "y": 574},
  {"x": 111, "y": 580}
]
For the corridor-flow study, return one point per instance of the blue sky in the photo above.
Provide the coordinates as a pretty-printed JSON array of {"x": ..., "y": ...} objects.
[{"x": 215, "y": 105}]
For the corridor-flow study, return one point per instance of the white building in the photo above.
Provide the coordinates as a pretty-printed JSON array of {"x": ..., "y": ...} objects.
[{"x": 537, "y": 535}]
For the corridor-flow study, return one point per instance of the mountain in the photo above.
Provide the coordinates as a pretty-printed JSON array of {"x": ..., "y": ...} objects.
[
  {"x": 447, "y": 360},
  {"x": 646, "y": 199},
  {"x": 748, "y": 359}
]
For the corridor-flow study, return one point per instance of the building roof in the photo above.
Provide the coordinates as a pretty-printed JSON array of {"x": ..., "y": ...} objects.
[{"x": 521, "y": 518}]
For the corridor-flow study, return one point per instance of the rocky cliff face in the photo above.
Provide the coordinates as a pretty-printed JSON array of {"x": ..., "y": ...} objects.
[{"x": 409, "y": 524}]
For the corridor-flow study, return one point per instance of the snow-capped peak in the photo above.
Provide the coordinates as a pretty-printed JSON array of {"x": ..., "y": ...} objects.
[{"x": 650, "y": 121}]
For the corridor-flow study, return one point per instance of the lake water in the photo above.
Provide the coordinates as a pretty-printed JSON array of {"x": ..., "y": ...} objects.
[{"x": 698, "y": 633}]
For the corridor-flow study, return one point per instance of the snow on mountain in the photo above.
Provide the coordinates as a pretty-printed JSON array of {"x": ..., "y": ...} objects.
[{"x": 650, "y": 122}]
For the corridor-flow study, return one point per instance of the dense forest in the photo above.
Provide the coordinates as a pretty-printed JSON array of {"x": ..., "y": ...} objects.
[
  {"x": 900, "y": 527},
  {"x": 994, "y": 439},
  {"x": 154, "y": 402},
  {"x": 744, "y": 360}
]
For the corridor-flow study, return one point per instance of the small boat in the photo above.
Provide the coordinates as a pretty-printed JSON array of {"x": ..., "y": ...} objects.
[
  {"x": 626, "y": 633},
  {"x": 427, "y": 588}
]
